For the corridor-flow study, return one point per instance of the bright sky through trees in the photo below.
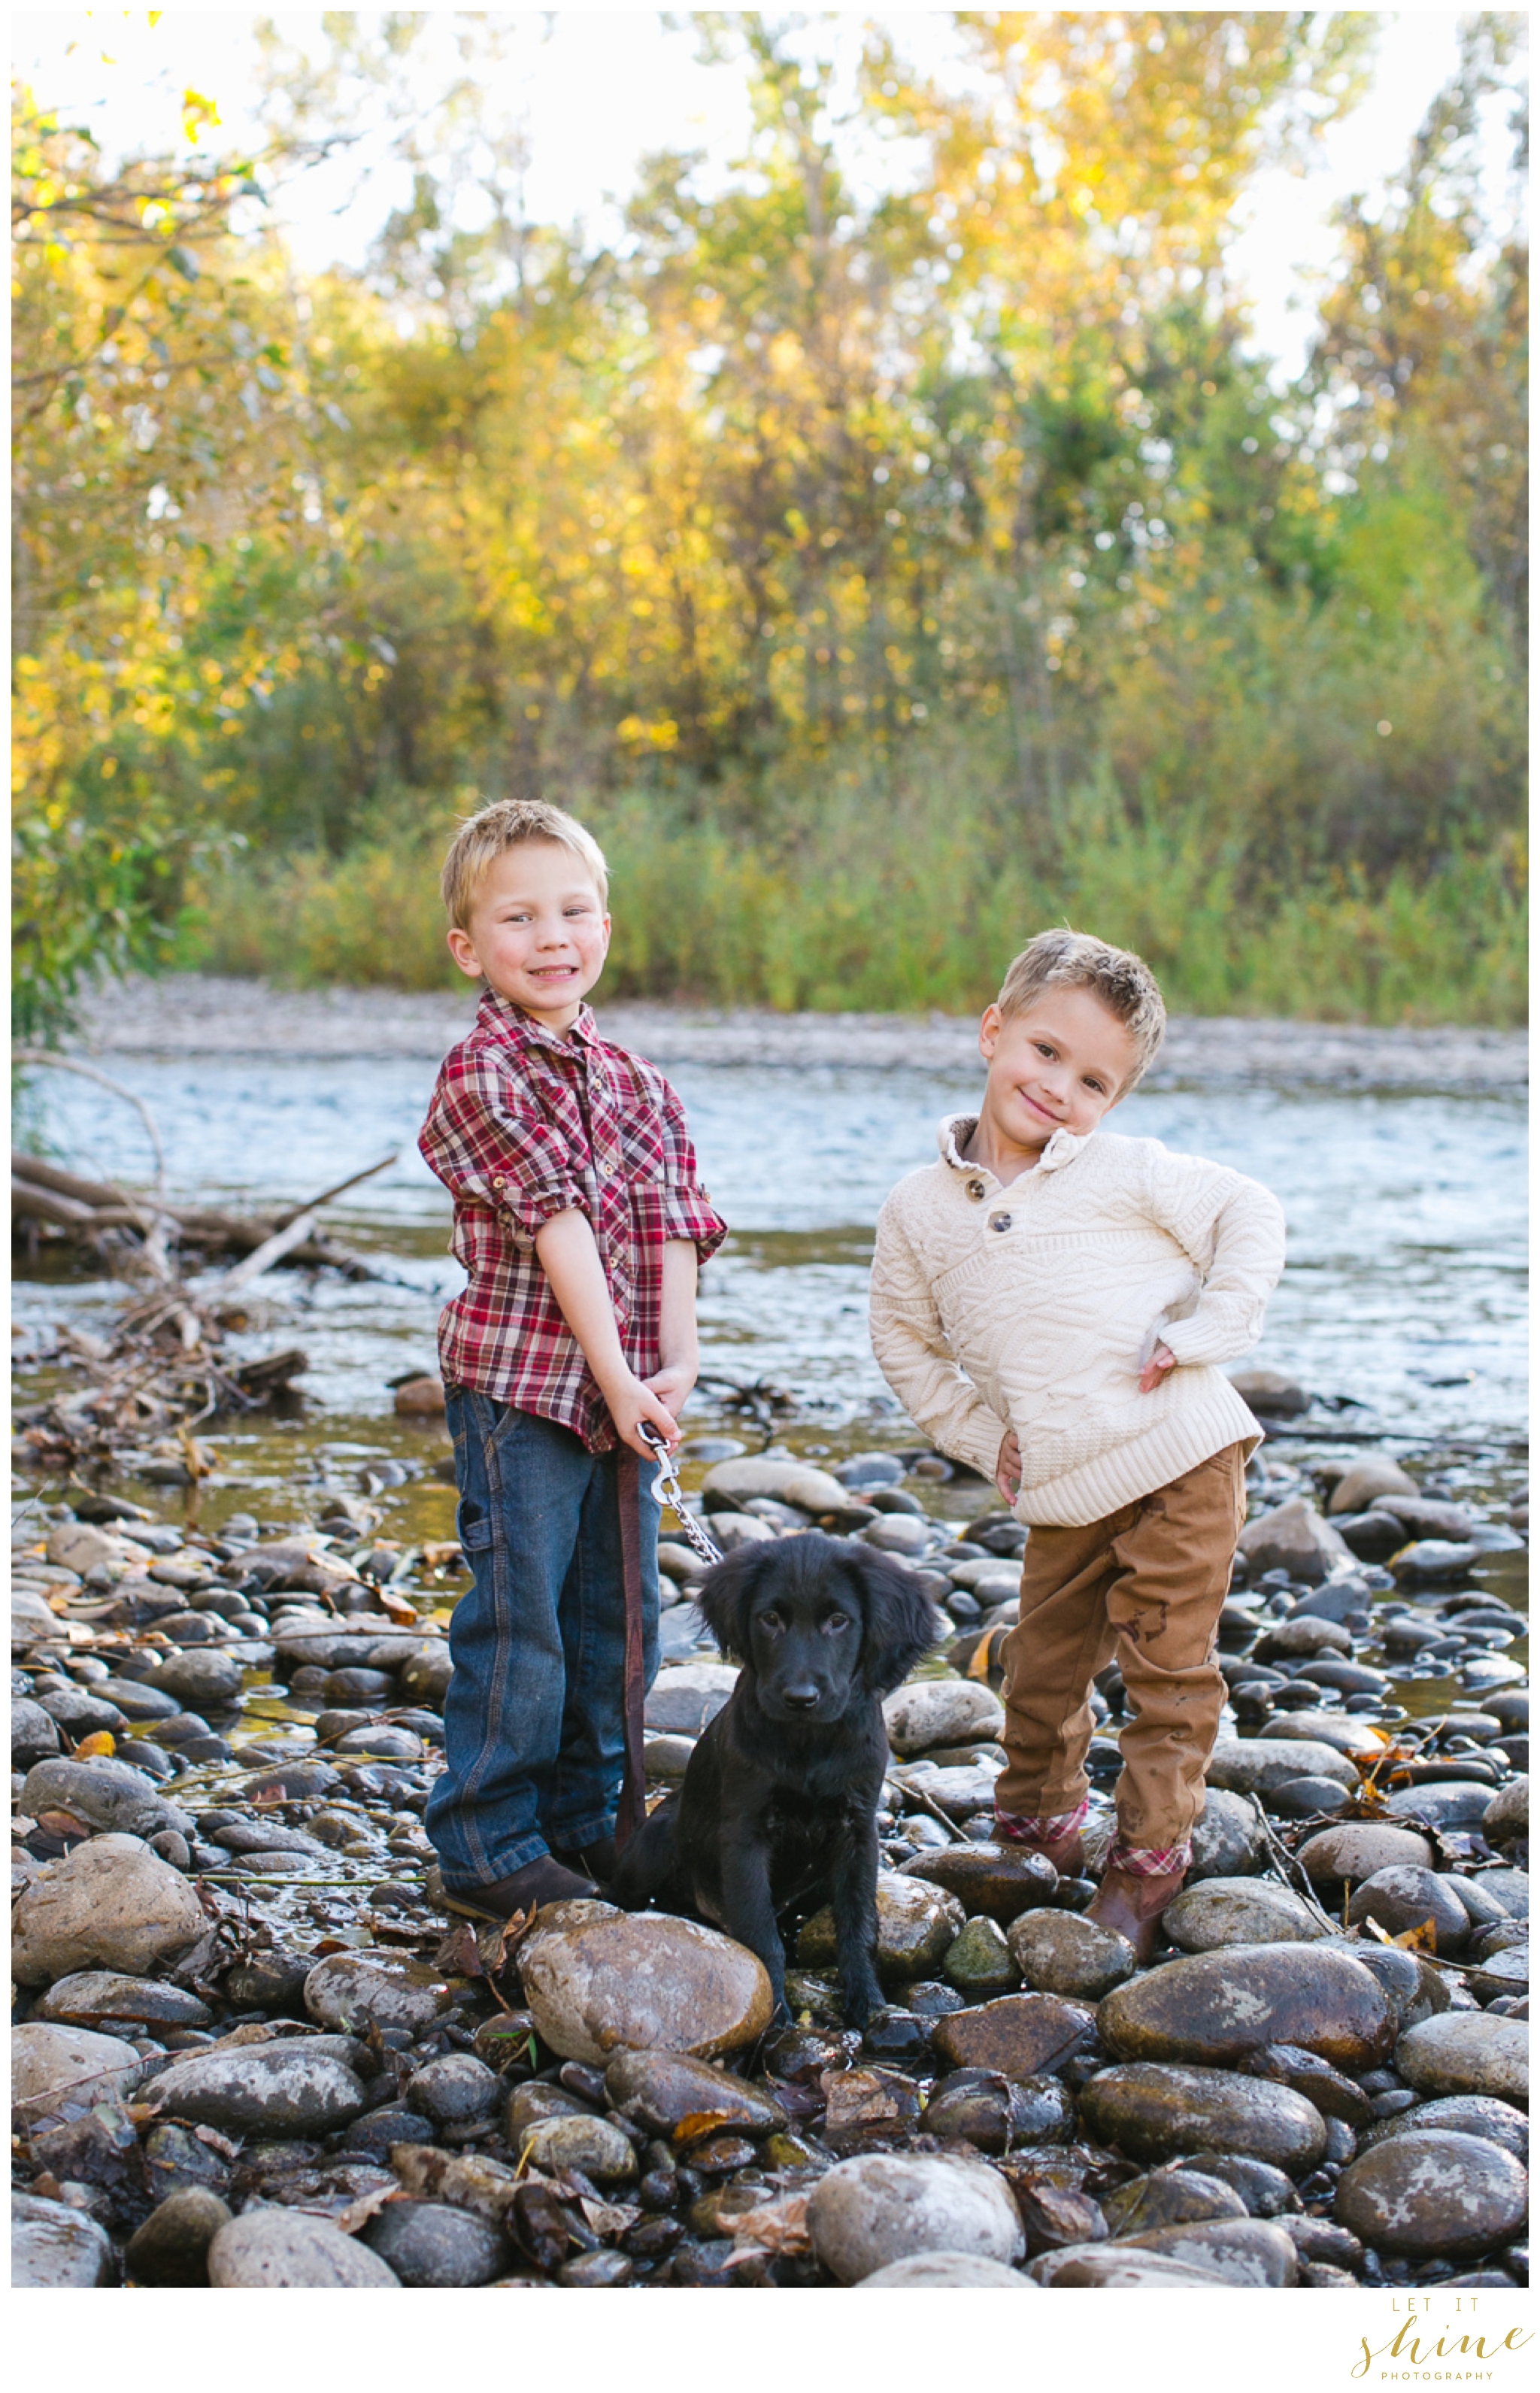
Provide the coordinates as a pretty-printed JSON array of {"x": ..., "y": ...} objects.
[{"x": 597, "y": 89}]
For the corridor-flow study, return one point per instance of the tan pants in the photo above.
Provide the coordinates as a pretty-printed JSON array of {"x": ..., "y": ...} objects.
[{"x": 1144, "y": 1585}]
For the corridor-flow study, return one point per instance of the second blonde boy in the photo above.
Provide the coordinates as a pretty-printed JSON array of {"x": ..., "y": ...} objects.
[{"x": 1051, "y": 1303}]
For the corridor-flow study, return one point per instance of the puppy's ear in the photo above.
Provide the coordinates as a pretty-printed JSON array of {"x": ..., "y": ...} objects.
[
  {"x": 725, "y": 1593},
  {"x": 900, "y": 1620}
]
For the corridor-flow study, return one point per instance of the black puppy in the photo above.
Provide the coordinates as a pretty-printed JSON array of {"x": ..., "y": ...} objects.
[{"x": 778, "y": 1802}]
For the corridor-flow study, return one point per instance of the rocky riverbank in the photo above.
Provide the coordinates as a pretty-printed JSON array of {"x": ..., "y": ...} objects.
[
  {"x": 190, "y": 1014},
  {"x": 249, "y": 2050}
]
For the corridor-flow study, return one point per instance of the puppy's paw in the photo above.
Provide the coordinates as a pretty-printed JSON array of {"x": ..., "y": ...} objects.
[{"x": 861, "y": 1998}]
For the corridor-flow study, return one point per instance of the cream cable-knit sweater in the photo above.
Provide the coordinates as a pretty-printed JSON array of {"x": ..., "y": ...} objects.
[{"x": 1037, "y": 1305}]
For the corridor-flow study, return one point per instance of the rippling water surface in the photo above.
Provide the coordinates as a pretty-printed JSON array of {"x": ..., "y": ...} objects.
[{"x": 1406, "y": 1219}]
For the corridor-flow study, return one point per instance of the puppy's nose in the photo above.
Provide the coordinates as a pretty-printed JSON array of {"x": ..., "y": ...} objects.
[{"x": 800, "y": 1699}]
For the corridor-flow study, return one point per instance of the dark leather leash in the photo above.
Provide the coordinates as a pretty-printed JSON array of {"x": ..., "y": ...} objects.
[{"x": 666, "y": 1490}]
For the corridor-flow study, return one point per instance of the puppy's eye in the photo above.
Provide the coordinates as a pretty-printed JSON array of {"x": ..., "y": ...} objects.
[
  {"x": 834, "y": 1622},
  {"x": 773, "y": 1621}
]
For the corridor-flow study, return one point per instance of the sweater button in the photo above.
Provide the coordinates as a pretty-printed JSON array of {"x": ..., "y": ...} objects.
[
  {"x": 999, "y": 1221},
  {"x": 976, "y": 1190}
]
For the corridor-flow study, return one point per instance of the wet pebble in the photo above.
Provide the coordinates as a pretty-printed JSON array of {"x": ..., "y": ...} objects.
[
  {"x": 1433, "y": 2194},
  {"x": 916, "y": 1925},
  {"x": 1228, "y": 1840},
  {"x": 264, "y": 2250},
  {"x": 979, "y": 1961},
  {"x": 1224, "y": 1911},
  {"x": 1059, "y": 1952},
  {"x": 661, "y": 2090},
  {"x": 1215, "y": 2007},
  {"x": 374, "y": 1989},
  {"x": 1000, "y": 2113},
  {"x": 941, "y": 1711},
  {"x": 594, "y": 2146},
  {"x": 882, "y": 2207},
  {"x": 1022, "y": 2035},
  {"x": 1154, "y": 2112},
  {"x": 107, "y": 1794},
  {"x": 171, "y": 2248},
  {"x": 58, "y": 2249},
  {"x": 1462, "y": 2114},
  {"x": 456, "y": 2090},
  {"x": 1359, "y": 1850},
  {"x": 1003, "y": 1881},
  {"x": 269, "y": 2089},
  {"x": 1169, "y": 2197},
  {"x": 1241, "y": 2251},
  {"x": 1403, "y": 1897},
  {"x": 1467, "y": 2052},
  {"x": 110, "y": 1904},
  {"x": 945, "y": 2271},
  {"x": 647, "y": 1981},
  {"x": 52, "y": 2064},
  {"x": 432, "y": 2244}
]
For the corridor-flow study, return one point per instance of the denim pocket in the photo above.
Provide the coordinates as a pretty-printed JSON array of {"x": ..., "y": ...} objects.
[{"x": 472, "y": 1526}]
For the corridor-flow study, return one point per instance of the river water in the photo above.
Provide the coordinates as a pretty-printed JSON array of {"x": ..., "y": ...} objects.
[
  {"x": 1403, "y": 1291},
  {"x": 1405, "y": 1288}
]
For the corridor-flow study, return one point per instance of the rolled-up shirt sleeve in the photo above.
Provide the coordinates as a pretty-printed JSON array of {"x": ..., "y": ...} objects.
[
  {"x": 686, "y": 1210},
  {"x": 491, "y": 1147}
]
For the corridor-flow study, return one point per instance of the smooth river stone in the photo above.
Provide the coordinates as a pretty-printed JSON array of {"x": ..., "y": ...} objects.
[
  {"x": 930, "y": 2273},
  {"x": 110, "y": 1904},
  {"x": 1229, "y": 1840},
  {"x": 661, "y": 2090},
  {"x": 1242, "y": 2251},
  {"x": 1215, "y": 2007},
  {"x": 1156, "y": 2113},
  {"x": 52, "y": 2064},
  {"x": 1506, "y": 1818},
  {"x": 681, "y": 1701},
  {"x": 1224, "y": 1911},
  {"x": 1433, "y": 2196},
  {"x": 105, "y": 1998},
  {"x": 55, "y": 2248},
  {"x": 885, "y": 2207},
  {"x": 1467, "y": 2052},
  {"x": 1061, "y": 1953},
  {"x": 1113, "y": 2268},
  {"x": 1000, "y": 1880},
  {"x": 283, "y": 2088},
  {"x": 915, "y": 1924},
  {"x": 1462, "y": 2114},
  {"x": 1401, "y": 1898},
  {"x": 1358, "y": 1849},
  {"x": 106, "y": 1794},
  {"x": 1346, "y": 1736},
  {"x": 264, "y": 2250},
  {"x": 1258, "y": 1765},
  {"x": 1022, "y": 2035},
  {"x": 1169, "y": 2197},
  {"x": 784, "y": 1480},
  {"x": 361, "y": 1990},
  {"x": 646, "y": 1981},
  {"x": 1457, "y": 1803},
  {"x": 942, "y": 1711}
]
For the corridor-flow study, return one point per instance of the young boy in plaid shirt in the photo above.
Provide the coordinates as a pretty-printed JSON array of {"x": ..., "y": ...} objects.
[{"x": 579, "y": 1220}]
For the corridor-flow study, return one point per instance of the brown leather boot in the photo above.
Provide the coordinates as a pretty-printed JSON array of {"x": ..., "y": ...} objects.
[
  {"x": 1131, "y": 1907},
  {"x": 1066, "y": 1853}
]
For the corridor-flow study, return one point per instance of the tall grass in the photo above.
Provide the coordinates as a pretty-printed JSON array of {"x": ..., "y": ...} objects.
[{"x": 913, "y": 903}]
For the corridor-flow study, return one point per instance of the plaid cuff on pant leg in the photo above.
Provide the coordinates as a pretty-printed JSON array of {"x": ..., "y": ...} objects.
[
  {"x": 1150, "y": 1861},
  {"x": 1039, "y": 1828}
]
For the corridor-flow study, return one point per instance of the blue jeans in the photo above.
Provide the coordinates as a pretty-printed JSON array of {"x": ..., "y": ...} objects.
[{"x": 534, "y": 1718}]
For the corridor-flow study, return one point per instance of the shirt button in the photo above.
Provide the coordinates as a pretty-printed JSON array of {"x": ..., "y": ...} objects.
[
  {"x": 999, "y": 1221},
  {"x": 500, "y": 1182},
  {"x": 976, "y": 1190}
]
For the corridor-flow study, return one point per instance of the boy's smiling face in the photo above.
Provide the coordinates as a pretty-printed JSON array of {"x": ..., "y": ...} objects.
[
  {"x": 1061, "y": 1064},
  {"x": 538, "y": 931}
]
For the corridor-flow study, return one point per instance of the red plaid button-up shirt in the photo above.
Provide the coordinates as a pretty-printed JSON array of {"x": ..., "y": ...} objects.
[{"x": 524, "y": 1125}]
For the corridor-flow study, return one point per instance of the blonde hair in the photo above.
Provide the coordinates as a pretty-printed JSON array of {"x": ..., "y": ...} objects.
[
  {"x": 513, "y": 822},
  {"x": 1067, "y": 959}
]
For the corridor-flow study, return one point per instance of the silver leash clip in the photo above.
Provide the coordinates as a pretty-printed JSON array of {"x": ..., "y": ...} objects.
[{"x": 668, "y": 1491}]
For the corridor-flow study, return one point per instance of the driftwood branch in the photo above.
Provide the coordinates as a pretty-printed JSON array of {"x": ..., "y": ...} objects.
[{"x": 45, "y": 1055}]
